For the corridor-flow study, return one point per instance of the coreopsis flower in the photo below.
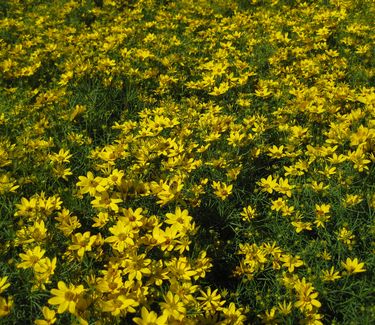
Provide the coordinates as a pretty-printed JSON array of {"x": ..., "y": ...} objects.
[
  {"x": 6, "y": 305},
  {"x": 122, "y": 236},
  {"x": 66, "y": 297},
  {"x": 137, "y": 266},
  {"x": 49, "y": 317},
  {"x": 346, "y": 236},
  {"x": 63, "y": 156},
  {"x": 278, "y": 204},
  {"x": 269, "y": 316},
  {"x": 268, "y": 184},
  {"x": 306, "y": 296},
  {"x": 222, "y": 190},
  {"x": 173, "y": 307},
  {"x": 167, "y": 191},
  {"x": 26, "y": 208},
  {"x": 90, "y": 184},
  {"x": 4, "y": 284},
  {"x": 211, "y": 300},
  {"x": 82, "y": 243},
  {"x": 285, "y": 308},
  {"x": 104, "y": 200},
  {"x": 233, "y": 315},
  {"x": 236, "y": 138},
  {"x": 284, "y": 187},
  {"x": 248, "y": 213},
  {"x": 120, "y": 304},
  {"x": 179, "y": 219},
  {"x": 31, "y": 258},
  {"x": 330, "y": 275},
  {"x": 276, "y": 152},
  {"x": 148, "y": 318},
  {"x": 291, "y": 262},
  {"x": 300, "y": 225},
  {"x": 44, "y": 270},
  {"x": 180, "y": 269},
  {"x": 353, "y": 266},
  {"x": 352, "y": 199}
]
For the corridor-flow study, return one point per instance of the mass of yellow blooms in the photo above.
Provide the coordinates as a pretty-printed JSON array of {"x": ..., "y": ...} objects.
[{"x": 187, "y": 162}]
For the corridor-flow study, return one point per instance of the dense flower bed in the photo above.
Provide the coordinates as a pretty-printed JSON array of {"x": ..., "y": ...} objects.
[{"x": 187, "y": 162}]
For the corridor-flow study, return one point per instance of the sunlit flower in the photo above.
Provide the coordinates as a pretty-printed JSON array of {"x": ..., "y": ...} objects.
[
  {"x": 353, "y": 266},
  {"x": 66, "y": 297}
]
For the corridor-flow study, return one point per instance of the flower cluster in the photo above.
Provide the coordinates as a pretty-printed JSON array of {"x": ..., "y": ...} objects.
[{"x": 186, "y": 162}]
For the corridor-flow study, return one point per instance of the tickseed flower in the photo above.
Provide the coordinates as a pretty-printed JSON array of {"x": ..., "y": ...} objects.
[
  {"x": 248, "y": 213},
  {"x": 346, "y": 236},
  {"x": 119, "y": 305},
  {"x": 222, "y": 190},
  {"x": 306, "y": 296},
  {"x": 66, "y": 297},
  {"x": 278, "y": 204},
  {"x": 268, "y": 184},
  {"x": 3, "y": 284},
  {"x": 291, "y": 262},
  {"x": 150, "y": 318},
  {"x": 31, "y": 258},
  {"x": 49, "y": 317},
  {"x": 91, "y": 184},
  {"x": 330, "y": 275},
  {"x": 353, "y": 266},
  {"x": 284, "y": 307},
  {"x": 233, "y": 315},
  {"x": 82, "y": 243},
  {"x": 5, "y": 306},
  {"x": 122, "y": 236},
  {"x": 173, "y": 307},
  {"x": 179, "y": 219},
  {"x": 211, "y": 300},
  {"x": 284, "y": 187}
]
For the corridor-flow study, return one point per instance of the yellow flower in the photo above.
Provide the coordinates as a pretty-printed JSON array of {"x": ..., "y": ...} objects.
[
  {"x": 49, "y": 317},
  {"x": 104, "y": 201},
  {"x": 31, "y": 258},
  {"x": 346, "y": 236},
  {"x": 179, "y": 219},
  {"x": 5, "y": 306},
  {"x": 61, "y": 157},
  {"x": 291, "y": 262},
  {"x": 248, "y": 213},
  {"x": 353, "y": 266},
  {"x": 222, "y": 89},
  {"x": 66, "y": 297},
  {"x": 278, "y": 204},
  {"x": 306, "y": 296},
  {"x": 235, "y": 138},
  {"x": 45, "y": 269},
  {"x": 276, "y": 152},
  {"x": 3, "y": 284},
  {"x": 330, "y": 275},
  {"x": 300, "y": 226},
  {"x": 222, "y": 190},
  {"x": 173, "y": 307},
  {"x": 233, "y": 315},
  {"x": 82, "y": 243},
  {"x": 211, "y": 300},
  {"x": 268, "y": 185},
  {"x": 91, "y": 184},
  {"x": 136, "y": 266},
  {"x": 285, "y": 308},
  {"x": 150, "y": 318},
  {"x": 122, "y": 236},
  {"x": 119, "y": 305},
  {"x": 284, "y": 187}
]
